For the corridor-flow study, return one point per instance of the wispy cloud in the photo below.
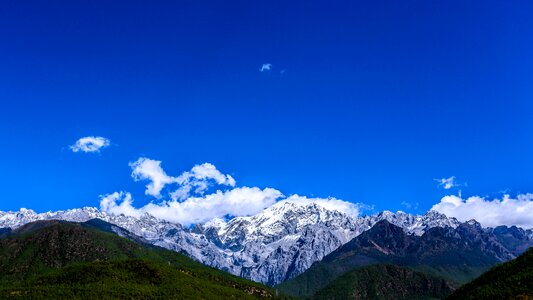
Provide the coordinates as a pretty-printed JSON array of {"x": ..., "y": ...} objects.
[
  {"x": 188, "y": 201},
  {"x": 90, "y": 144},
  {"x": 265, "y": 67},
  {"x": 447, "y": 183},
  {"x": 409, "y": 205},
  {"x": 506, "y": 211}
]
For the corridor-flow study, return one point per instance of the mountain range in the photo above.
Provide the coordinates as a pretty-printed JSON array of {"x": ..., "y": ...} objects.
[{"x": 285, "y": 240}]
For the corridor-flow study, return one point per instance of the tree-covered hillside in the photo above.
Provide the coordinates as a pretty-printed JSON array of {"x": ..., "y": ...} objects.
[
  {"x": 510, "y": 280},
  {"x": 62, "y": 260},
  {"x": 385, "y": 282}
]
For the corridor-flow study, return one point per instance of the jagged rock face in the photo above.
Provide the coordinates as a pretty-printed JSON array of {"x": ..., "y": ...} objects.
[
  {"x": 273, "y": 246},
  {"x": 516, "y": 239},
  {"x": 416, "y": 224},
  {"x": 286, "y": 239},
  {"x": 469, "y": 240},
  {"x": 282, "y": 241},
  {"x": 467, "y": 243}
]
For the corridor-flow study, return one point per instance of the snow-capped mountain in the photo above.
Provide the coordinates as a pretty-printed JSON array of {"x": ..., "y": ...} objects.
[
  {"x": 275, "y": 245},
  {"x": 283, "y": 240},
  {"x": 416, "y": 224}
]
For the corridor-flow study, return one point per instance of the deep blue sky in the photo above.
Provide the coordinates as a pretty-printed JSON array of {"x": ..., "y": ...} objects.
[{"x": 377, "y": 98}]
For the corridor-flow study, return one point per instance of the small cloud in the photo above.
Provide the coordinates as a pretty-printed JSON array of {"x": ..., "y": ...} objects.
[
  {"x": 265, "y": 67},
  {"x": 447, "y": 183},
  {"x": 90, "y": 144}
]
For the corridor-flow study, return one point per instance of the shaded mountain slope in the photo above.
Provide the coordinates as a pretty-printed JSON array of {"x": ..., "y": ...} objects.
[
  {"x": 385, "y": 282},
  {"x": 63, "y": 260},
  {"x": 510, "y": 280},
  {"x": 516, "y": 239},
  {"x": 457, "y": 254}
]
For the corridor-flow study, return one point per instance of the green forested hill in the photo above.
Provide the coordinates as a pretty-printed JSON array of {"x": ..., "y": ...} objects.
[
  {"x": 385, "y": 282},
  {"x": 62, "y": 260},
  {"x": 510, "y": 280}
]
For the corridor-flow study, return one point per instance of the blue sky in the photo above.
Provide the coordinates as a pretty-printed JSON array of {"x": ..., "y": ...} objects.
[{"x": 365, "y": 101}]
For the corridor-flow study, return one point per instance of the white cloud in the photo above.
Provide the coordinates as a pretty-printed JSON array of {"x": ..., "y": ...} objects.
[
  {"x": 265, "y": 67},
  {"x": 108, "y": 203},
  {"x": 346, "y": 207},
  {"x": 90, "y": 144},
  {"x": 447, "y": 183},
  {"x": 149, "y": 169},
  {"x": 196, "y": 181},
  {"x": 489, "y": 213},
  {"x": 242, "y": 201},
  {"x": 200, "y": 178}
]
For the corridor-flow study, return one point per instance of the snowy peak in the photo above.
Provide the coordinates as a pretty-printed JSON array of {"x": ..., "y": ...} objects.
[
  {"x": 417, "y": 224},
  {"x": 282, "y": 219},
  {"x": 23, "y": 216}
]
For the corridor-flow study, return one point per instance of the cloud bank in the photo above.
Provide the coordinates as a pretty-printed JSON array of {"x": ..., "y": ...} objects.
[
  {"x": 241, "y": 201},
  {"x": 184, "y": 198},
  {"x": 90, "y": 144},
  {"x": 490, "y": 213}
]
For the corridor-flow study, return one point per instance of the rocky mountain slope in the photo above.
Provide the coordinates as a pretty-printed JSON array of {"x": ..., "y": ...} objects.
[
  {"x": 459, "y": 254},
  {"x": 271, "y": 247}
]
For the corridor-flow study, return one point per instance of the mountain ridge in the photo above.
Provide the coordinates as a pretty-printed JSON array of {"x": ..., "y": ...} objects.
[{"x": 273, "y": 246}]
